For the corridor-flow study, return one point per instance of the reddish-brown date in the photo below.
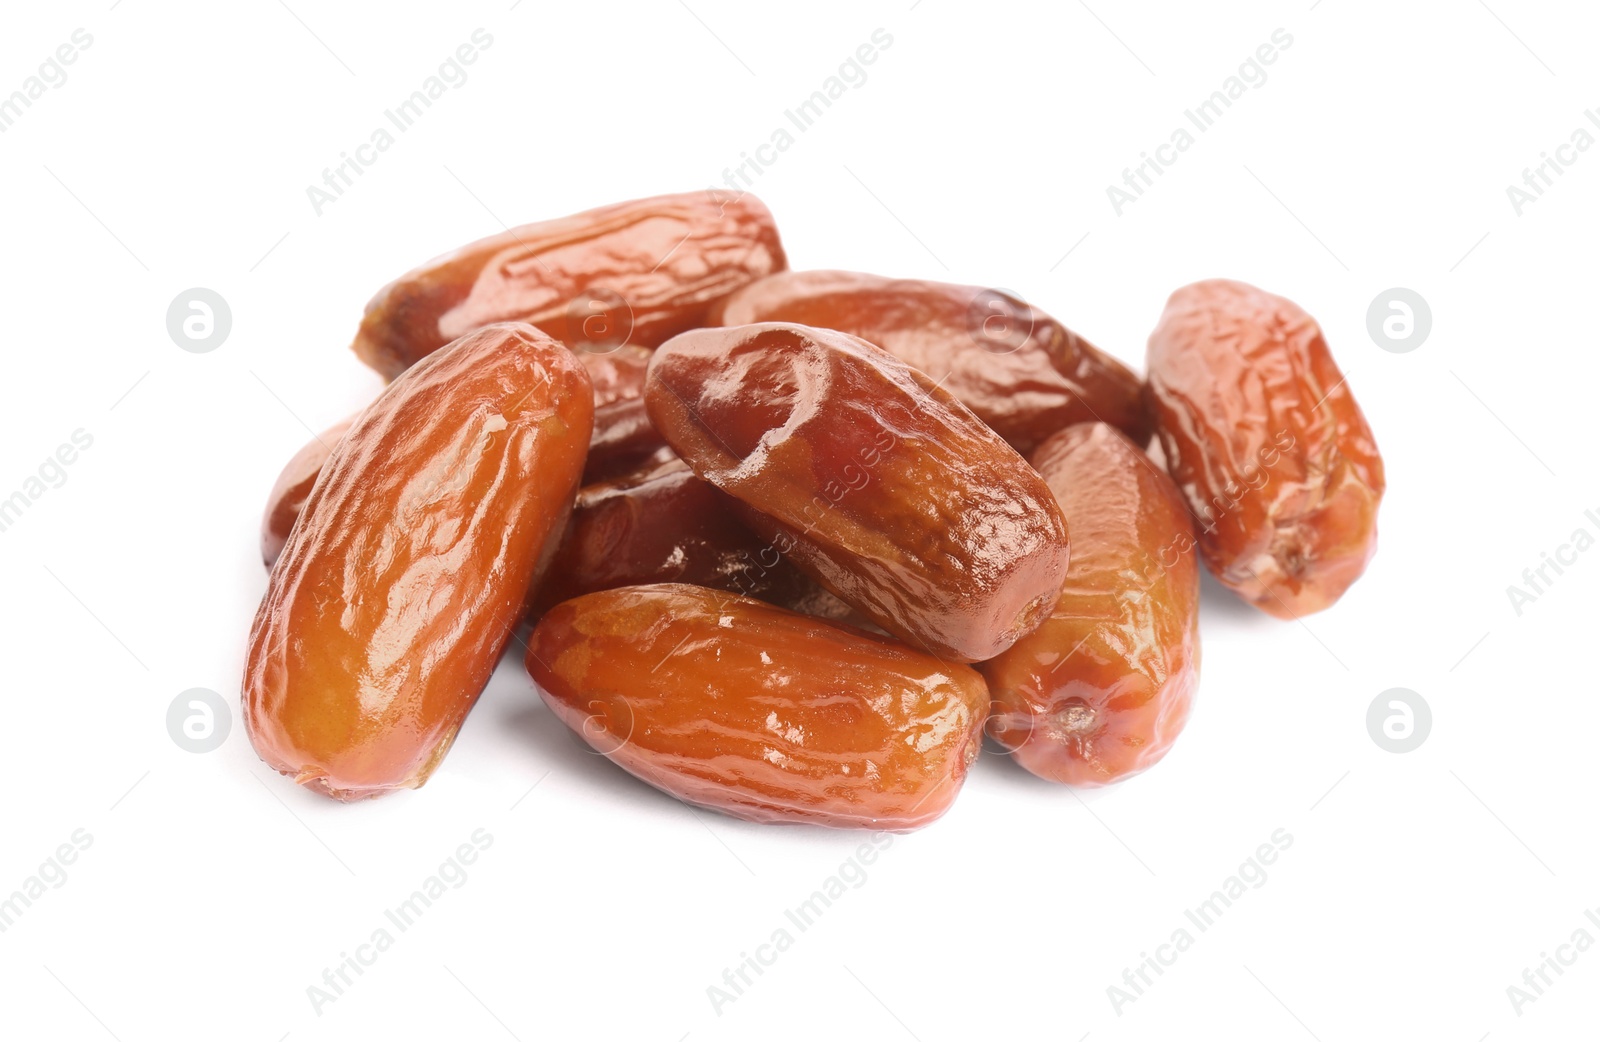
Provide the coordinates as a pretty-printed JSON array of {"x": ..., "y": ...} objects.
[
  {"x": 623, "y": 438},
  {"x": 876, "y": 482},
  {"x": 633, "y": 273},
  {"x": 662, "y": 524},
  {"x": 1266, "y": 441},
  {"x": 745, "y": 708},
  {"x": 289, "y": 492},
  {"x": 1019, "y": 370},
  {"x": 410, "y": 564},
  {"x": 1101, "y": 689}
]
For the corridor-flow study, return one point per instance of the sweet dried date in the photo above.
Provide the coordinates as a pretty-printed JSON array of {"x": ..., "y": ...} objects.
[
  {"x": 662, "y": 524},
  {"x": 758, "y": 712},
  {"x": 876, "y": 482},
  {"x": 1266, "y": 441},
  {"x": 623, "y": 438},
  {"x": 1101, "y": 689},
  {"x": 633, "y": 273},
  {"x": 289, "y": 492},
  {"x": 1019, "y": 370},
  {"x": 409, "y": 566}
]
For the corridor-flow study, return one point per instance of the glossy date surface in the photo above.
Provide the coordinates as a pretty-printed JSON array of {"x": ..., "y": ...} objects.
[
  {"x": 411, "y": 561},
  {"x": 1101, "y": 689},
  {"x": 662, "y": 524},
  {"x": 289, "y": 492},
  {"x": 748, "y": 709},
  {"x": 632, "y": 273},
  {"x": 1264, "y": 438},
  {"x": 1018, "y": 369},
  {"x": 874, "y": 481}
]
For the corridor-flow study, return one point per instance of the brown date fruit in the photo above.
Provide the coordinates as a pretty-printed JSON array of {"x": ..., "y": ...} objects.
[
  {"x": 1101, "y": 689},
  {"x": 623, "y": 438},
  {"x": 876, "y": 482},
  {"x": 1266, "y": 441},
  {"x": 1019, "y": 370},
  {"x": 409, "y": 566},
  {"x": 754, "y": 711},
  {"x": 289, "y": 492},
  {"x": 633, "y": 273},
  {"x": 662, "y": 524}
]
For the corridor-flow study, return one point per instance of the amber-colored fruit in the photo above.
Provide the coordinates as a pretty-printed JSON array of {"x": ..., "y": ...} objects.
[
  {"x": 662, "y": 524},
  {"x": 409, "y": 566},
  {"x": 632, "y": 273},
  {"x": 289, "y": 492},
  {"x": 736, "y": 705},
  {"x": 1265, "y": 439},
  {"x": 1019, "y": 370},
  {"x": 623, "y": 438},
  {"x": 877, "y": 483},
  {"x": 1101, "y": 689}
]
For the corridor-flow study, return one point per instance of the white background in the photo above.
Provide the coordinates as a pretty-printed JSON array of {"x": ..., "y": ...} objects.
[{"x": 1376, "y": 154}]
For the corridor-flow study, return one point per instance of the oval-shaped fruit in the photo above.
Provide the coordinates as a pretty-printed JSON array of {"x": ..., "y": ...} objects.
[
  {"x": 662, "y": 524},
  {"x": 623, "y": 438},
  {"x": 877, "y": 483},
  {"x": 408, "y": 569},
  {"x": 1019, "y": 370},
  {"x": 745, "y": 708},
  {"x": 633, "y": 273},
  {"x": 1266, "y": 442},
  {"x": 289, "y": 492},
  {"x": 1101, "y": 689}
]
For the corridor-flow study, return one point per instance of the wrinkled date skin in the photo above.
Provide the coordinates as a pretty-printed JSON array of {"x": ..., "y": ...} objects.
[
  {"x": 623, "y": 437},
  {"x": 289, "y": 492},
  {"x": 1266, "y": 441},
  {"x": 623, "y": 440},
  {"x": 1101, "y": 689},
  {"x": 758, "y": 712},
  {"x": 632, "y": 273},
  {"x": 874, "y": 481},
  {"x": 1019, "y": 370},
  {"x": 408, "y": 569},
  {"x": 662, "y": 524}
]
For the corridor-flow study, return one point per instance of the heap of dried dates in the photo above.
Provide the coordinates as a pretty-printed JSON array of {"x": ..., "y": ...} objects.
[{"x": 789, "y": 543}]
